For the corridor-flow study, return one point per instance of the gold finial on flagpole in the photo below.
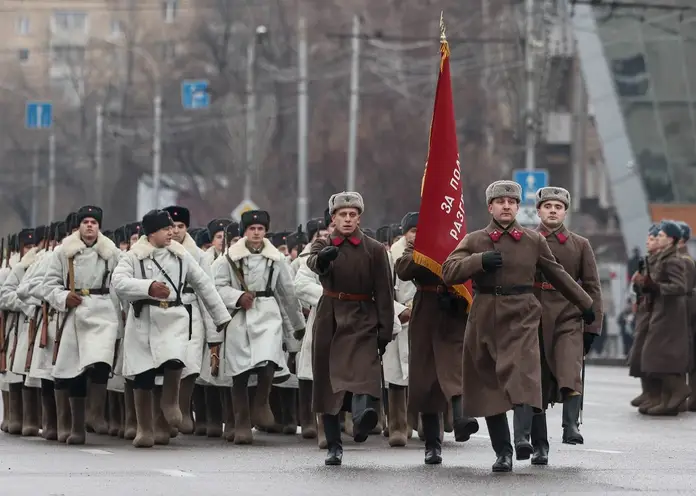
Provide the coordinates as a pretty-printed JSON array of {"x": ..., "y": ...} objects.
[{"x": 443, "y": 38}]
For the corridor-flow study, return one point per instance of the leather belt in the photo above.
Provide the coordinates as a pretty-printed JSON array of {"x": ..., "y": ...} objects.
[
  {"x": 347, "y": 296},
  {"x": 95, "y": 291},
  {"x": 188, "y": 290},
  {"x": 439, "y": 289},
  {"x": 504, "y": 290},
  {"x": 161, "y": 304},
  {"x": 263, "y": 294},
  {"x": 544, "y": 286}
]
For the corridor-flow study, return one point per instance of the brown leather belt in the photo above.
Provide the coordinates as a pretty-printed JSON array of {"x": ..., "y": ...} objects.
[
  {"x": 439, "y": 289},
  {"x": 347, "y": 296},
  {"x": 544, "y": 286}
]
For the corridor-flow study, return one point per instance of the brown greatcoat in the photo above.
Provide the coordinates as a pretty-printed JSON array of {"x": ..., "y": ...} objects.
[
  {"x": 691, "y": 301},
  {"x": 436, "y": 340},
  {"x": 345, "y": 354},
  {"x": 641, "y": 325},
  {"x": 561, "y": 323},
  {"x": 666, "y": 349},
  {"x": 501, "y": 361}
]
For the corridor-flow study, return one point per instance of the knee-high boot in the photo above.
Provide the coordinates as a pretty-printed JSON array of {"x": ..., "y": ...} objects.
[
  {"x": 145, "y": 435},
  {"x": 571, "y": 420},
  {"x": 15, "y": 424},
  {"x": 261, "y": 414},
  {"x": 228, "y": 433},
  {"x": 540, "y": 440},
  {"x": 397, "y": 416},
  {"x": 96, "y": 400},
  {"x": 213, "y": 413},
  {"x": 242, "y": 413},
  {"x": 78, "y": 411},
  {"x": 308, "y": 420},
  {"x": 499, "y": 432},
  {"x": 131, "y": 412},
  {"x": 332, "y": 427},
  {"x": 170, "y": 397},
  {"x": 185, "y": 393},
  {"x": 433, "y": 437},
  {"x": 63, "y": 414},
  {"x": 115, "y": 420},
  {"x": 30, "y": 419},
  {"x": 321, "y": 432},
  {"x": 121, "y": 397},
  {"x": 161, "y": 426},
  {"x": 522, "y": 426},
  {"x": 464, "y": 426},
  {"x": 365, "y": 413},
  {"x": 5, "y": 411},
  {"x": 288, "y": 400},
  {"x": 48, "y": 404},
  {"x": 638, "y": 400},
  {"x": 200, "y": 410}
]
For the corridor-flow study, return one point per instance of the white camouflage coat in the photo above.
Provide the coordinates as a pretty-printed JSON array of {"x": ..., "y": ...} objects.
[
  {"x": 9, "y": 300},
  {"x": 396, "y": 356},
  {"x": 91, "y": 329},
  {"x": 309, "y": 291},
  {"x": 200, "y": 318},
  {"x": 256, "y": 336},
  {"x": 160, "y": 334},
  {"x": 8, "y": 377},
  {"x": 32, "y": 292}
]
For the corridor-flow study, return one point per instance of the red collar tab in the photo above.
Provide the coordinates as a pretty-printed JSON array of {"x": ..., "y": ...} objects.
[
  {"x": 496, "y": 234},
  {"x": 562, "y": 238},
  {"x": 516, "y": 234},
  {"x": 353, "y": 240}
]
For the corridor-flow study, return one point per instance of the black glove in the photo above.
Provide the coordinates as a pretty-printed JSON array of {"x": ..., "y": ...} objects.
[
  {"x": 382, "y": 345},
  {"x": 327, "y": 255},
  {"x": 587, "y": 340},
  {"x": 299, "y": 334},
  {"x": 588, "y": 316},
  {"x": 491, "y": 261}
]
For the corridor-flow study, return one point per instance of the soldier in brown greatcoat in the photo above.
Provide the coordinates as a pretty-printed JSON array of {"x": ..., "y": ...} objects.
[
  {"x": 564, "y": 341},
  {"x": 354, "y": 323},
  {"x": 650, "y": 394},
  {"x": 436, "y": 341},
  {"x": 666, "y": 352},
  {"x": 501, "y": 360},
  {"x": 691, "y": 305}
]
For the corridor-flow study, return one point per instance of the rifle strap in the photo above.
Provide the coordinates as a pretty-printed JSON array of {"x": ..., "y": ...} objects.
[
  {"x": 71, "y": 274},
  {"x": 238, "y": 272}
]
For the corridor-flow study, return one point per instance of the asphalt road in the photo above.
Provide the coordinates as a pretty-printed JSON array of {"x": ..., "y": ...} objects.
[{"x": 624, "y": 452}]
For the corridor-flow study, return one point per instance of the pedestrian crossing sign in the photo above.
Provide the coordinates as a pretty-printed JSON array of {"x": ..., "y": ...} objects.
[{"x": 244, "y": 206}]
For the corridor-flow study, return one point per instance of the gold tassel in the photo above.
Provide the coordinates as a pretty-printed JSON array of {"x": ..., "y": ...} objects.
[{"x": 436, "y": 268}]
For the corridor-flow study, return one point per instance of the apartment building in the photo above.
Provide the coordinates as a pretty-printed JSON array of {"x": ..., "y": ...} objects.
[{"x": 57, "y": 47}]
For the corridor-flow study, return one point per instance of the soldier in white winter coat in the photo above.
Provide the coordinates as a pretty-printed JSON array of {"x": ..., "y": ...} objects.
[
  {"x": 24, "y": 400},
  {"x": 8, "y": 261},
  {"x": 151, "y": 277},
  {"x": 77, "y": 284},
  {"x": 254, "y": 281}
]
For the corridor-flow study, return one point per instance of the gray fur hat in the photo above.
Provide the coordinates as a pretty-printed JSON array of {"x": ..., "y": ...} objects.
[
  {"x": 500, "y": 189},
  {"x": 346, "y": 199},
  {"x": 553, "y": 193}
]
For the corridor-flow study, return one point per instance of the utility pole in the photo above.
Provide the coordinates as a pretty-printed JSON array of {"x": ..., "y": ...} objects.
[
  {"x": 250, "y": 116},
  {"x": 35, "y": 187},
  {"x": 530, "y": 107},
  {"x": 302, "y": 124},
  {"x": 157, "y": 149},
  {"x": 99, "y": 157},
  {"x": 354, "y": 104},
  {"x": 51, "y": 177}
]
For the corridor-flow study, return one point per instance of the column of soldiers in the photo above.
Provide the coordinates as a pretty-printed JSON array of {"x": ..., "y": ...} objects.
[{"x": 158, "y": 329}]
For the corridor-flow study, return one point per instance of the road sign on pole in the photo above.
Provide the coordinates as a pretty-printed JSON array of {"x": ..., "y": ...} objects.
[
  {"x": 244, "y": 206},
  {"x": 527, "y": 216},
  {"x": 531, "y": 181},
  {"x": 39, "y": 115},
  {"x": 194, "y": 94}
]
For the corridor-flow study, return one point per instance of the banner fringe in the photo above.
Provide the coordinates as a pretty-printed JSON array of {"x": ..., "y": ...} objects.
[{"x": 436, "y": 268}]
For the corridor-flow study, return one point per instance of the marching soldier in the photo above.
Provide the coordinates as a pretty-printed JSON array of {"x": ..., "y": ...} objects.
[
  {"x": 436, "y": 335},
  {"x": 564, "y": 342},
  {"x": 691, "y": 310},
  {"x": 253, "y": 279},
  {"x": 354, "y": 323},
  {"x": 501, "y": 344},
  {"x": 666, "y": 351},
  {"x": 151, "y": 277}
]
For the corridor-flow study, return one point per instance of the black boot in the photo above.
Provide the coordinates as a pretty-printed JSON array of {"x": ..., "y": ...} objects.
[
  {"x": 522, "y": 425},
  {"x": 433, "y": 443},
  {"x": 540, "y": 440},
  {"x": 365, "y": 409},
  {"x": 499, "y": 431},
  {"x": 464, "y": 426},
  {"x": 332, "y": 429},
  {"x": 571, "y": 420}
]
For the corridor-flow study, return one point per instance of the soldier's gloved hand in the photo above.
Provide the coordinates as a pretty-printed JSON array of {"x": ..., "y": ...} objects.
[
  {"x": 588, "y": 316},
  {"x": 382, "y": 344},
  {"x": 327, "y": 255},
  {"x": 491, "y": 261},
  {"x": 299, "y": 334},
  {"x": 587, "y": 340},
  {"x": 292, "y": 363},
  {"x": 73, "y": 300},
  {"x": 158, "y": 290},
  {"x": 246, "y": 301},
  {"x": 405, "y": 316}
]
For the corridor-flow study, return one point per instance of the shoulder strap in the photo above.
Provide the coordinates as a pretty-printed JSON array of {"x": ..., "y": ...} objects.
[
  {"x": 237, "y": 272},
  {"x": 269, "y": 282}
]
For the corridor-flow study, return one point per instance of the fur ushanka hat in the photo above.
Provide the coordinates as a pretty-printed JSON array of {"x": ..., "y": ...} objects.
[
  {"x": 346, "y": 199},
  {"x": 502, "y": 189},
  {"x": 553, "y": 193}
]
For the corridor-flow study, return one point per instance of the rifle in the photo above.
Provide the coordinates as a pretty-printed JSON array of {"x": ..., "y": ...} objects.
[
  {"x": 43, "y": 340},
  {"x": 32, "y": 340},
  {"x": 3, "y": 341},
  {"x": 59, "y": 333}
]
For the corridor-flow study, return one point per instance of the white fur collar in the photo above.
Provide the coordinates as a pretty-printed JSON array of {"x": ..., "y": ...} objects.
[
  {"x": 398, "y": 248},
  {"x": 190, "y": 245},
  {"x": 239, "y": 250},
  {"x": 29, "y": 258},
  {"x": 143, "y": 249},
  {"x": 73, "y": 244}
]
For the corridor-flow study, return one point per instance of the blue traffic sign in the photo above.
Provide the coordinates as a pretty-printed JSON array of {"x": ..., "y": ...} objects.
[
  {"x": 39, "y": 115},
  {"x": 531, "y": 181},
  {"x": 194, "y": 94}
]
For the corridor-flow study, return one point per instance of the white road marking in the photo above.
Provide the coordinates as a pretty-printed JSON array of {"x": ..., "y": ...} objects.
[
  {"x": 37, "y": 438},
  {"x": 93, "y": 451},
  {"x": 592, "y": 403},
  {"x": 480, "y": 436},
  {"x": 174, "y": 473},
  {"x": 612, "y": 452}
]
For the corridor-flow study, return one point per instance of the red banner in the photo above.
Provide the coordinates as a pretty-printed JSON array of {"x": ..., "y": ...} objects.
[{"x": 441, "y": 221}]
